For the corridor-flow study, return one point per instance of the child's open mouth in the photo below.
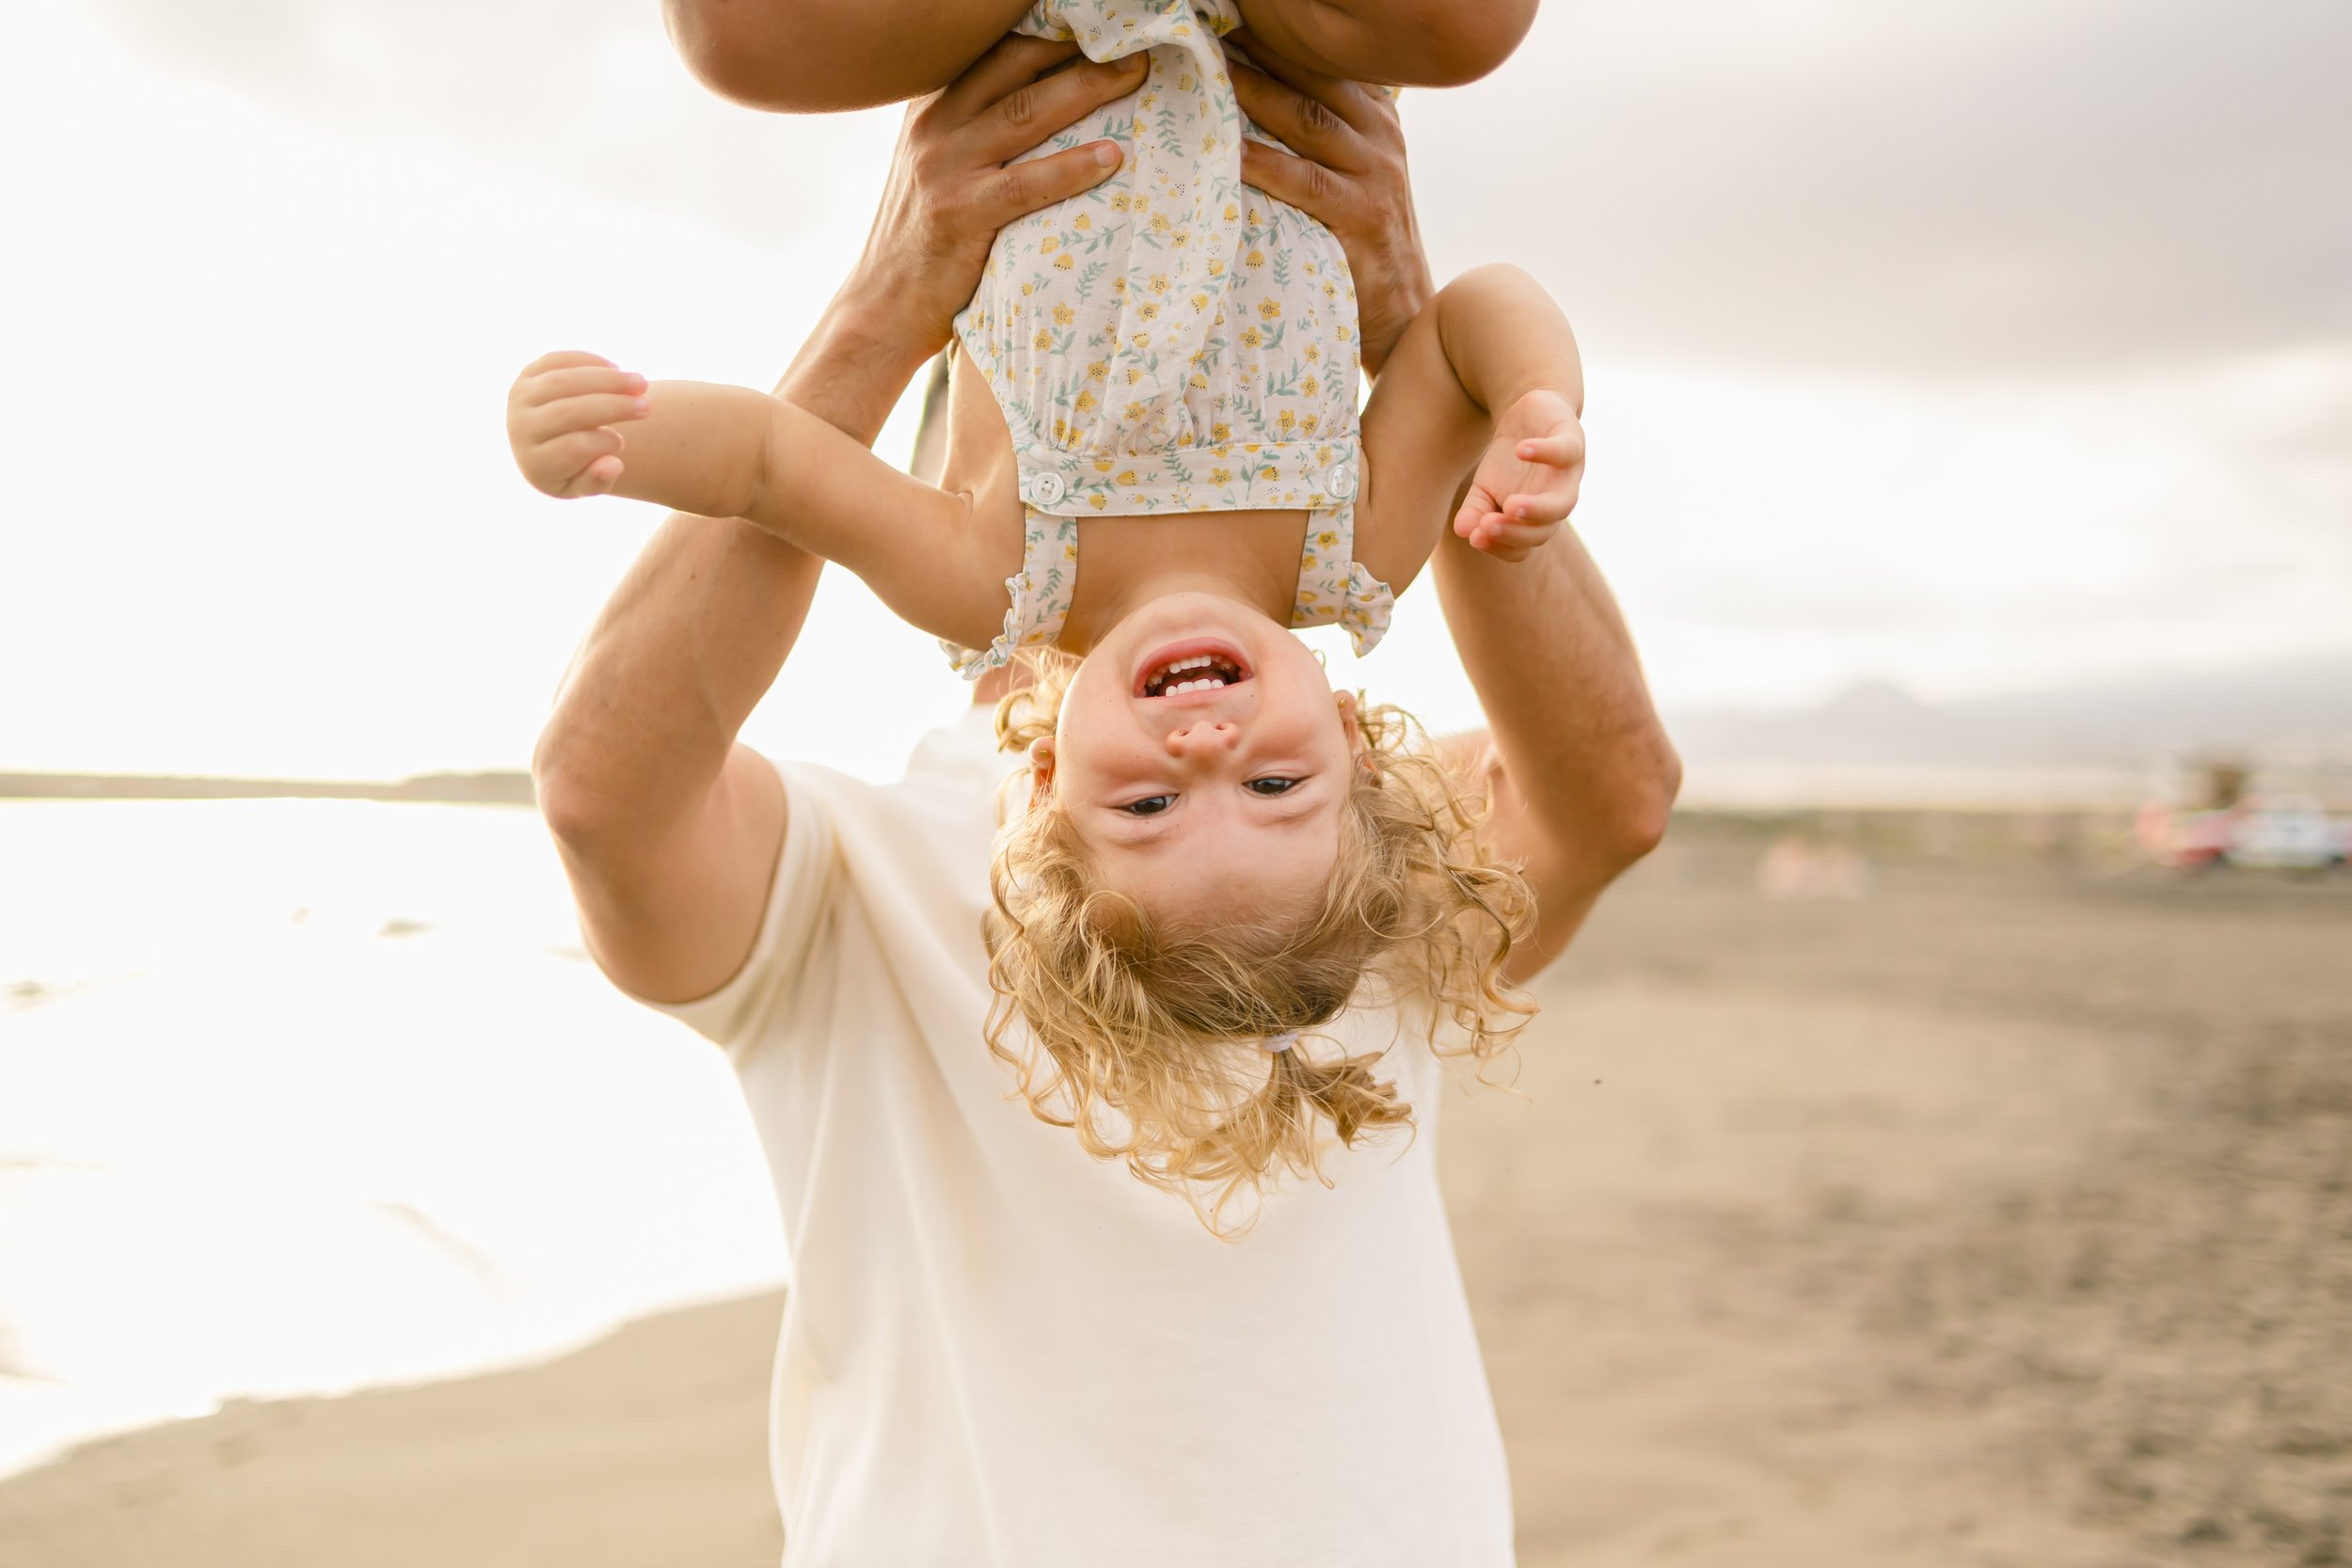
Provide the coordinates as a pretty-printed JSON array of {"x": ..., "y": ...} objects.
[{"x": 1196, "y": 666}]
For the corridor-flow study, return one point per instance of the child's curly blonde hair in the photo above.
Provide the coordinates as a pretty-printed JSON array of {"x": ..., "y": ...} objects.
[{"x": 1149, "y": 1039}]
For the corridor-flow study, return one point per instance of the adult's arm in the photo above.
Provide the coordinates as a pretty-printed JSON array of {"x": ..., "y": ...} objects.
[
  {"x": 669, "y": 828},
  {"x": 1578, "y": 769}
]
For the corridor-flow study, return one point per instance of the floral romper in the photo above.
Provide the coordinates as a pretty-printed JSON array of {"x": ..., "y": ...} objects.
[{"x": 1170, "y": 341}]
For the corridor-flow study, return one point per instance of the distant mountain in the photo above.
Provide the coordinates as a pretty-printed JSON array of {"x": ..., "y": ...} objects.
[{"x": 2280, "y": 716}]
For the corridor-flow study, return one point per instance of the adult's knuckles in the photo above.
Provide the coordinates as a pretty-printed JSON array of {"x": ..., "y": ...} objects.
[
  {"x": 1016, "y": 188},
  {"x": 1316, "y": 120},
  {"x": 1325, "y": 191},
  {"x": 1281, "y": 174},
  {"x": 1019, "y": 109}
]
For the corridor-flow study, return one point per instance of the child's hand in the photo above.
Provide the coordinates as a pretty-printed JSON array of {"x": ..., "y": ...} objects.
[
  {"x": 560, "y": 419},
  {"x": 1526, "y": 485}
]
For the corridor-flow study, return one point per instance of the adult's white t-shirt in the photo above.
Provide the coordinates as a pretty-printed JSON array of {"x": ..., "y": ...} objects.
[{"x": 998, "y": 1349}]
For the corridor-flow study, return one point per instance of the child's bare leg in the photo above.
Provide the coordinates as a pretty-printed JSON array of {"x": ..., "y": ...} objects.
[
  {"x": 811, "y": 56},
  {"x": 1411, "y": 43}
]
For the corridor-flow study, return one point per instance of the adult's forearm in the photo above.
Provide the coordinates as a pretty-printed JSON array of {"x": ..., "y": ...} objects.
[
  {"x": 702, "y": 622},
  {"x": 1568, "y": 713}
]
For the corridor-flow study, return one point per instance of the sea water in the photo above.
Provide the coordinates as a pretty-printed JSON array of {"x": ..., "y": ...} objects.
[{"x": 298, "y": 1097}]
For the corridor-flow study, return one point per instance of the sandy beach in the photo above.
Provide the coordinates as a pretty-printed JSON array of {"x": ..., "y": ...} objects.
[{"x": 2002, "y": 1215}]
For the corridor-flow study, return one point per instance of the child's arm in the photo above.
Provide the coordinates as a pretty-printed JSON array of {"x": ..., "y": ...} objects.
[
  {"x": 1487, "y": 375},
  {"x": 581, "y": 426}
]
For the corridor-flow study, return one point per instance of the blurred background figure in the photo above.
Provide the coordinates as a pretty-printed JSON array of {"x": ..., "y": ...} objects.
[
  {"x": 2200, "y": 816},
  {"x": 1795, "y": 868},
  {"x": 1917, "y": 1163}
]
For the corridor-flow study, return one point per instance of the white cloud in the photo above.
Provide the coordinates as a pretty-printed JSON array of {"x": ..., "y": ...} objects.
[
  {"x": 2020, "y": 186},
  {"x": 2012, "y": 183}
]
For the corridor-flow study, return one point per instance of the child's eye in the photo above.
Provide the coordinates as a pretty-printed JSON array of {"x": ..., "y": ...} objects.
[
  {"x": 1151, "y": 805},
  {"x": 1269, "y": 786}
]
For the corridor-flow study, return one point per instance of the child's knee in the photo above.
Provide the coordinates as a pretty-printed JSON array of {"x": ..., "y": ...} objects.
[
  {"x": 816, "y": 57},
  {"x": 1459, "y": 43},
  {"x": 1427, "y": 43}
]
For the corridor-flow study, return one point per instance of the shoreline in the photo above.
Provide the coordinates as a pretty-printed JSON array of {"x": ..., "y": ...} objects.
[{"x": 607, "y": 1454}]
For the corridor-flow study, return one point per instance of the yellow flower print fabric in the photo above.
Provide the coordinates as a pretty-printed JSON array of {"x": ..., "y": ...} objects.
[{"x": 1170, "y": 341}]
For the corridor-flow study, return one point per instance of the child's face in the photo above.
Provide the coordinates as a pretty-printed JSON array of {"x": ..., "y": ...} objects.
[{"x": 1213, "y": 805}]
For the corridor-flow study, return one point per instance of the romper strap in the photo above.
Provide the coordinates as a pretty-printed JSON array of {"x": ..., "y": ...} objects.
[
  {"x": 1041, "y": 594},
  {"x": 1334, "y": 587}
]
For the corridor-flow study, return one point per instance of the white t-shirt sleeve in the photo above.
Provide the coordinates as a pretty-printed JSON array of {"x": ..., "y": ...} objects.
[{"x": 799, "y": 894}]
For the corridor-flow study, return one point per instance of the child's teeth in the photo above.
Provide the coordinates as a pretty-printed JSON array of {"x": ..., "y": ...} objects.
[{"x": 1208, "y": 677}]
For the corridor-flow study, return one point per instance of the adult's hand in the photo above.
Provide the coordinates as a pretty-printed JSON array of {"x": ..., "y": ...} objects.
[
  {"x": 949, "y": 190},
  {"x": 1346, "y": 171}
]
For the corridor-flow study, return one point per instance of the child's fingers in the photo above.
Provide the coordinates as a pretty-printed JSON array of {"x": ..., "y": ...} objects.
[
  {"x": 570, "y": 455},
  {"x": 1476, "y": 508},
  {"x": 550, "y": 419},
  {"x": 1500, "y": 536},
  {"x": 576, "y": 381},
  {"x": 1560, "y": 450},
  {"x": 1547, "y": 506},
  {"x": 564, "y": 359},
  {"x": 597, "y": 479},
  {"x": 1511, "y": 544}
]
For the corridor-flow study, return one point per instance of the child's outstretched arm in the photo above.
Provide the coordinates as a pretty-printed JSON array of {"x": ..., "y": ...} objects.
[
  {"x": 581, "y": 426},
  {"x": 1486, "y": 381}
]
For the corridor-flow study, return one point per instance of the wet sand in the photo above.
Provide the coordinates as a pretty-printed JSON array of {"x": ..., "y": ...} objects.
[{"x": 2003, "y": 1216}]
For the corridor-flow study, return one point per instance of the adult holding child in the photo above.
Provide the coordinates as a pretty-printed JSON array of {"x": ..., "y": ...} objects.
[{"x": 996, "y": 1349}]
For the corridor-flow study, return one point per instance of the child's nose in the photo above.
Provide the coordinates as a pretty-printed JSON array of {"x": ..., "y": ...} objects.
[{"x": 1201, "y": 737}]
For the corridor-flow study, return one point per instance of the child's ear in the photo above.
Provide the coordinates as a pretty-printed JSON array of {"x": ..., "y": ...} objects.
[
  {"x": 1040, "y": 766},
  {"x": 1348, "y": 725}
]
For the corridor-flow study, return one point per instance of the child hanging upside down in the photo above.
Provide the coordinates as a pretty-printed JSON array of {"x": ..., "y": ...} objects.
[{"x": 1154, "y": 453}]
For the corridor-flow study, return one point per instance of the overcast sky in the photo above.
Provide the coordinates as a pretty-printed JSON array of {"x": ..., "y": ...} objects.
[{"x": 2003, "y": 345}]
